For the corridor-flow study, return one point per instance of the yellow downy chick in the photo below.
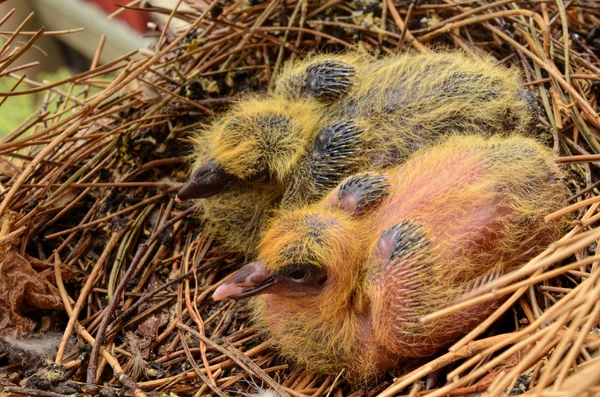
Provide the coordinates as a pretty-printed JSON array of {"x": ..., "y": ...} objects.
[
  {"x": 332, "y": 116},
  {"x": 400, "y": 104},
  {"x": 341, "y": 284},
  {"x": 246, "y": 157}
]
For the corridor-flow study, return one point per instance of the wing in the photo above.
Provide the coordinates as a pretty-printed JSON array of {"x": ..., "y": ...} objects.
[
  {"x": 406, "y": 281},
  {"x": 400, "y": 270},
  {"x": 402, "y": 285},
  {"x": 323, "y": 79},
  {"x": 332, "y": 157}
]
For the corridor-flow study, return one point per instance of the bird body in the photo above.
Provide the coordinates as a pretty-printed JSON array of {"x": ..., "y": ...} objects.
[
  {"x": 335, "y": 115},
  {"x": 341, "y": 284}
]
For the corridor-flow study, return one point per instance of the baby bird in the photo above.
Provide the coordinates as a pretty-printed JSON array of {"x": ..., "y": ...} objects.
[
  {"x": 332, "y": 116},
  {"x": 341, "y": 284},
  {"x": 387, "y": 109},
  {"x": 243, "y": 164}
]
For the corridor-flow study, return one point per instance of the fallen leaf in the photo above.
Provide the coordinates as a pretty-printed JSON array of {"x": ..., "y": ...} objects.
[{"x": 22, "y": 290}]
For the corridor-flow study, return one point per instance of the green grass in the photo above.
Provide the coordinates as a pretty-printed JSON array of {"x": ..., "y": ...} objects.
[{"x": 18, "y": 108}]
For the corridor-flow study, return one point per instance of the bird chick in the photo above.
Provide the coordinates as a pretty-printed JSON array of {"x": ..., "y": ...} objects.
[
  {"x": 396, "y": 106},
  {"x": 341, "y": 284},
  {"x": 332, "y": 116},
  {"x": 243, "y": 162},
  {"x": 258, "y": 140}
]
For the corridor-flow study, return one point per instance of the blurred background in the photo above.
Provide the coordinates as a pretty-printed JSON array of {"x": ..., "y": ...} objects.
[{"x": 62, "y": 55}]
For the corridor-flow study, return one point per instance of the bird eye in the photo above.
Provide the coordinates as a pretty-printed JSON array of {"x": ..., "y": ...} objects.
[
  {"x": 261, "y": 176},
  {"x": 298, "y": 275},
  {"x": 304, "y": 274}
]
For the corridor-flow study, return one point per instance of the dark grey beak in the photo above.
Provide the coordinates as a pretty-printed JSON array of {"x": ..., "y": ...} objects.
[{"x": 207, "y": 181}]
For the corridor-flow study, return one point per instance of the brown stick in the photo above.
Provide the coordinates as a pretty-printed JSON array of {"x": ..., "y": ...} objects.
[{"x": 112, "y": 306}]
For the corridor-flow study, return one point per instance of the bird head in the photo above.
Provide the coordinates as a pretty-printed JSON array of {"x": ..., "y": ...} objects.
[
  {"x": 304, "y": 254},
  {"x": 259, "y": 140}
]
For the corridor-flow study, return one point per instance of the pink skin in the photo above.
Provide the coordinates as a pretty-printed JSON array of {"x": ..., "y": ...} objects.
[
  {"x": 414, "y": 204},
  {"x": 463, "y": 231},
  {"x": 253, "y": 279}
]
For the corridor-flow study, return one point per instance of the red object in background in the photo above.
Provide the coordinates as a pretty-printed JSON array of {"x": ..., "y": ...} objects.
[{"x": 135, "y": 19}]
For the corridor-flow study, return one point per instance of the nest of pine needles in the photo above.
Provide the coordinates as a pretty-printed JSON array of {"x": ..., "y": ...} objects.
[{"x": 97, "y": 256}]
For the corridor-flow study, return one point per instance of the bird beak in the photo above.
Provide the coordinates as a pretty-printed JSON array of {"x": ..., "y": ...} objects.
[
  {"x": 250, "y": 280},
  {"x": 207, "y": 181}
]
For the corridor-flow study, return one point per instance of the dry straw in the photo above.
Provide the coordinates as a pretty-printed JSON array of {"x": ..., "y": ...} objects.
[{"x": 88, "y": 182}]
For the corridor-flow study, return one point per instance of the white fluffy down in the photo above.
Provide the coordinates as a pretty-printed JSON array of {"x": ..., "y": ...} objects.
[
  {"x": 34, "y": 347},
  {"x": 264, "y": 393}
]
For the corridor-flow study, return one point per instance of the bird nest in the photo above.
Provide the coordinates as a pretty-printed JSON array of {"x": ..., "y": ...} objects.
[{"x": 100, "y": 260}]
